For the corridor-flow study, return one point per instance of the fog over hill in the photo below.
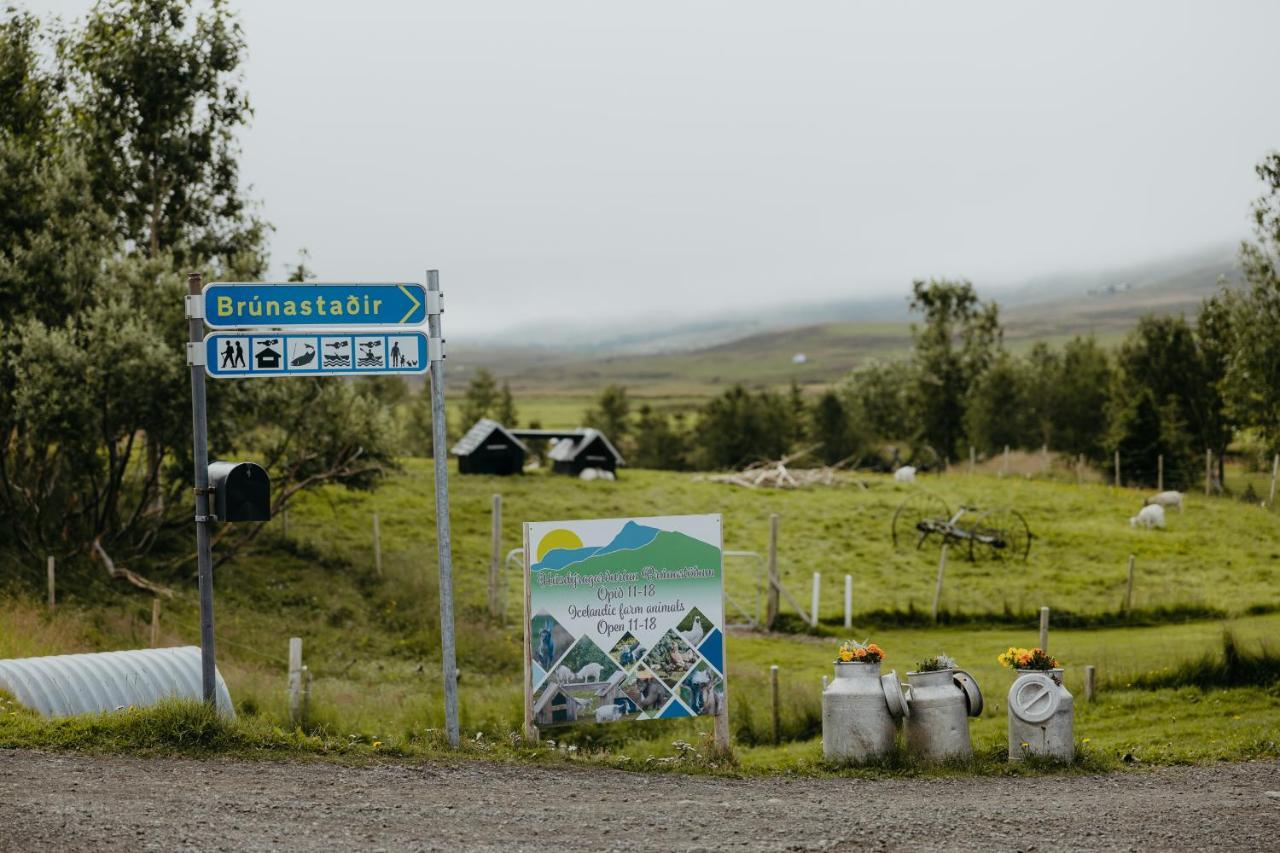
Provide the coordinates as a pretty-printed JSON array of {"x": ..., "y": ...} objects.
[{"x": 1067, "y": 302}]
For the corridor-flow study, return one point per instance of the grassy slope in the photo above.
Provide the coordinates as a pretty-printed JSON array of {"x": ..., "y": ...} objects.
[{"x": 372, "y": 645}]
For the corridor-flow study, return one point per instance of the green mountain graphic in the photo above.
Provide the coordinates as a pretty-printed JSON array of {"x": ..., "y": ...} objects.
[{"x": 668, "y": 550}]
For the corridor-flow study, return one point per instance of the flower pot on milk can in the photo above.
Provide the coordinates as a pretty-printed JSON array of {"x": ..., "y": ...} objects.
[
  {"x": 1040, "y": 716},
  {"x": 941, "y": 703},
  {"x": 860, "y": 709}
]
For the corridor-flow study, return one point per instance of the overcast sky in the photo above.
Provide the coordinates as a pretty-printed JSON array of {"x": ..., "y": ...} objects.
[{"x": 581, "y": 160}]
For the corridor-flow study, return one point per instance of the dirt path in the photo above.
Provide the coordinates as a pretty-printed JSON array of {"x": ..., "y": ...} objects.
[{"x": 71, "y": 802}]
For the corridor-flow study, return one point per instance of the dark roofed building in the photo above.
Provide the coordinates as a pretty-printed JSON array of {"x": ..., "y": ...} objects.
[
  {"x": 489, "y": 448},
  {"x": 572, "y": 451}
]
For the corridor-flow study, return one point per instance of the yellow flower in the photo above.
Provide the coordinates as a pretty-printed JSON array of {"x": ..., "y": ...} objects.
[
  {"x": 846, "y": 655},
  {"x": 377, "y": 743}
]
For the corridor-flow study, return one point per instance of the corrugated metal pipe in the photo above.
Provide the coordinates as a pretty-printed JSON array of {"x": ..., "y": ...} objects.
[{"x": 63, "y": 685}]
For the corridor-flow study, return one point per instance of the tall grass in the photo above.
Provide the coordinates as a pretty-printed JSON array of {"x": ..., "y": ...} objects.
[{"x": 1234, "y": 666}]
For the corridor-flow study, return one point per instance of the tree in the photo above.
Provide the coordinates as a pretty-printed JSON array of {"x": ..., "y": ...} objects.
[
  {"x": 1160, "y": 401},
  {"x": 996, "y": 412},
  {"x": 505, "y": 412},
  {"x": 958, "y": 340},
  {"x": 1251, "y": 370},
  {"x": 1079, "y": 400},
  {"x": 611, "y": 413},
  {"x": 92, "y": 335},
  {"x": 158, "y": 99},
  {"x": 739, "y": 427},
  {"x": 832, "y": 428},
  {"x": 480, "y": 399},
  {"x": 882, "y": 398},
  {"x": 657, "y": 444}
]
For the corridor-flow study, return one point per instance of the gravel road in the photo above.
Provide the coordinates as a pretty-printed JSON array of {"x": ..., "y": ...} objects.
[{"x": 74, "y": 802}]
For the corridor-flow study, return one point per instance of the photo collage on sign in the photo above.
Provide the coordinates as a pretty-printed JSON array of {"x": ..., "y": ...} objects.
[{"x": 681, "y": 675}]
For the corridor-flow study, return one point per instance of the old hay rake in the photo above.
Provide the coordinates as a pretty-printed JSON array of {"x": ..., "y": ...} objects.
[{"x": 994, "y": 534}]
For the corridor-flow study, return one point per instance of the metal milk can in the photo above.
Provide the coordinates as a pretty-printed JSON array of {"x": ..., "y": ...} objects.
[
  {"x": 941, "y": 703},
  {"x": 859, "y": 712},
  {"x": 1040, "y": 716}
]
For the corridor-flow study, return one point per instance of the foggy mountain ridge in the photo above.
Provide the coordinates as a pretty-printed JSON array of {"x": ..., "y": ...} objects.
[{"x": 1176, "y": 282}]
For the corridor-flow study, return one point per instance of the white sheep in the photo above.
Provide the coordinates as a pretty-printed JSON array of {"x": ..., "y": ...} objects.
[
  {"x": 590, "y": 672},
  {"x": 564, "y": 675},
  {"x": 1165, "y": 499},
  {"x": 1149, "y": 517},
  {"x": 905, "y": 474},
  {"x": 588, "y": 474},
  {"x": 608, "y": 714}
]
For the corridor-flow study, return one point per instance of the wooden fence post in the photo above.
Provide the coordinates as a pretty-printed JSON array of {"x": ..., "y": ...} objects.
[
  {"x": 1090, "y": 683},
  {"x": 377, "y": 545},
  {"x": 295, "y": 681},
  {"x": 1275, "y": 469},
  {"x": 51, "y": 569},
  {"x": 1004, "y": 466},
  {"x": 1117, "y": 469},
  {"x": 777, "y": 714},
  {"x": 1208, "y": 471},
  {"x": 973, "y": 459},
  {"x": 817, "y": 589},
  {"x": 1160, "y": 473},
  {"x": 771, "y": 603},
  {"x": 1079, "y": 468},
  {"x": 155, "y": 622},
  {"x": 848, "y": 601},
  {"x": 1044, "y": 629},
  {"x": 495, "y": 561},
  {"x": 937, "y": 590},
  {"x": 1128, "y": 590}
]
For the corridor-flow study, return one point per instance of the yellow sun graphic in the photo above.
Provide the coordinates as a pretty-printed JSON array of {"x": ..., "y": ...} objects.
[{"x": 558, "y": 538}]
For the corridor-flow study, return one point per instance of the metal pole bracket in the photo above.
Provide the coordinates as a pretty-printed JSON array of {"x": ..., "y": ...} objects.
[
  {"x": 196, "y": 354},
  {"x": 435, "y": 302},
  {"x": 435, "y": 348},
  {"x": 195, "y": 306}
]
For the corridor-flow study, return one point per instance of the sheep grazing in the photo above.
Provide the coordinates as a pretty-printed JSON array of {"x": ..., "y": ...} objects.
[
  {"x": 1149, "y": 517},
  {"x": 905, "y": 474},
  {"x": 608, "y": 714},
  {"x": 1165, "y": 499},
  {"x": 590, "y": 672}
]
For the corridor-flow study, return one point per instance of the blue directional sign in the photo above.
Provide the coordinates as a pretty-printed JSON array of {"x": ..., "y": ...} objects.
[
  {"x": 256, "y": 305},
  {"x": 341, "y": 352}
]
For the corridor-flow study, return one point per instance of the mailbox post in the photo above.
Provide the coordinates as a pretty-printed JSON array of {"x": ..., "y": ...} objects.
[
  {"x": 200, "y": 439},
  {"x": 241, "y": 491}
]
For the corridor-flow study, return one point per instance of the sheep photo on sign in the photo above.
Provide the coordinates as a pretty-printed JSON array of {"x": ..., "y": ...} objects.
[{"x": 624, "y": 621}]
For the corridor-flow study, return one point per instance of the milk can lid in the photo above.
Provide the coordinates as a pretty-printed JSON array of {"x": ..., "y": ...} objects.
[
  {"x": 972, "y": 695},
  {"x": 1034, "y": 697},
  {"x": 898, "y": 706}
]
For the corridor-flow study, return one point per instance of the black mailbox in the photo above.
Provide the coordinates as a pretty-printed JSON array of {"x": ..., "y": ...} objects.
[{"x": 241, "y": 491}]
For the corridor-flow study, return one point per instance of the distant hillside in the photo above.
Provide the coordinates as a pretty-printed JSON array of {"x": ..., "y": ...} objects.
[{"x": 833, "y": 338}]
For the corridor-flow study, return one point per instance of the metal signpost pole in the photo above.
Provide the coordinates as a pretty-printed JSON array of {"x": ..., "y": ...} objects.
[
  {"x": 200, "y": 429},
  {"x": 448, "y": 661}
]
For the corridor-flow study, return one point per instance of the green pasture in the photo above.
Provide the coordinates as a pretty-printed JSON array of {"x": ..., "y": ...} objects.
[{"x": 372, "y": 641}]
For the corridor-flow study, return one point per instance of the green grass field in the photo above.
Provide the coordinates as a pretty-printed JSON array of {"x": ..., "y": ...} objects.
[{"x": 372, "y": 642}]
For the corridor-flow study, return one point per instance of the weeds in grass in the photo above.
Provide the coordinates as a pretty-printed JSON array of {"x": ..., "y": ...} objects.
[{"x": 1234, "y": 667}]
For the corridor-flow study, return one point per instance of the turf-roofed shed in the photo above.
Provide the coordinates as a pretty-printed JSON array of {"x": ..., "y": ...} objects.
[
  {"x": 490, "y": 448},
  {"x": 575, "y": 450}
]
